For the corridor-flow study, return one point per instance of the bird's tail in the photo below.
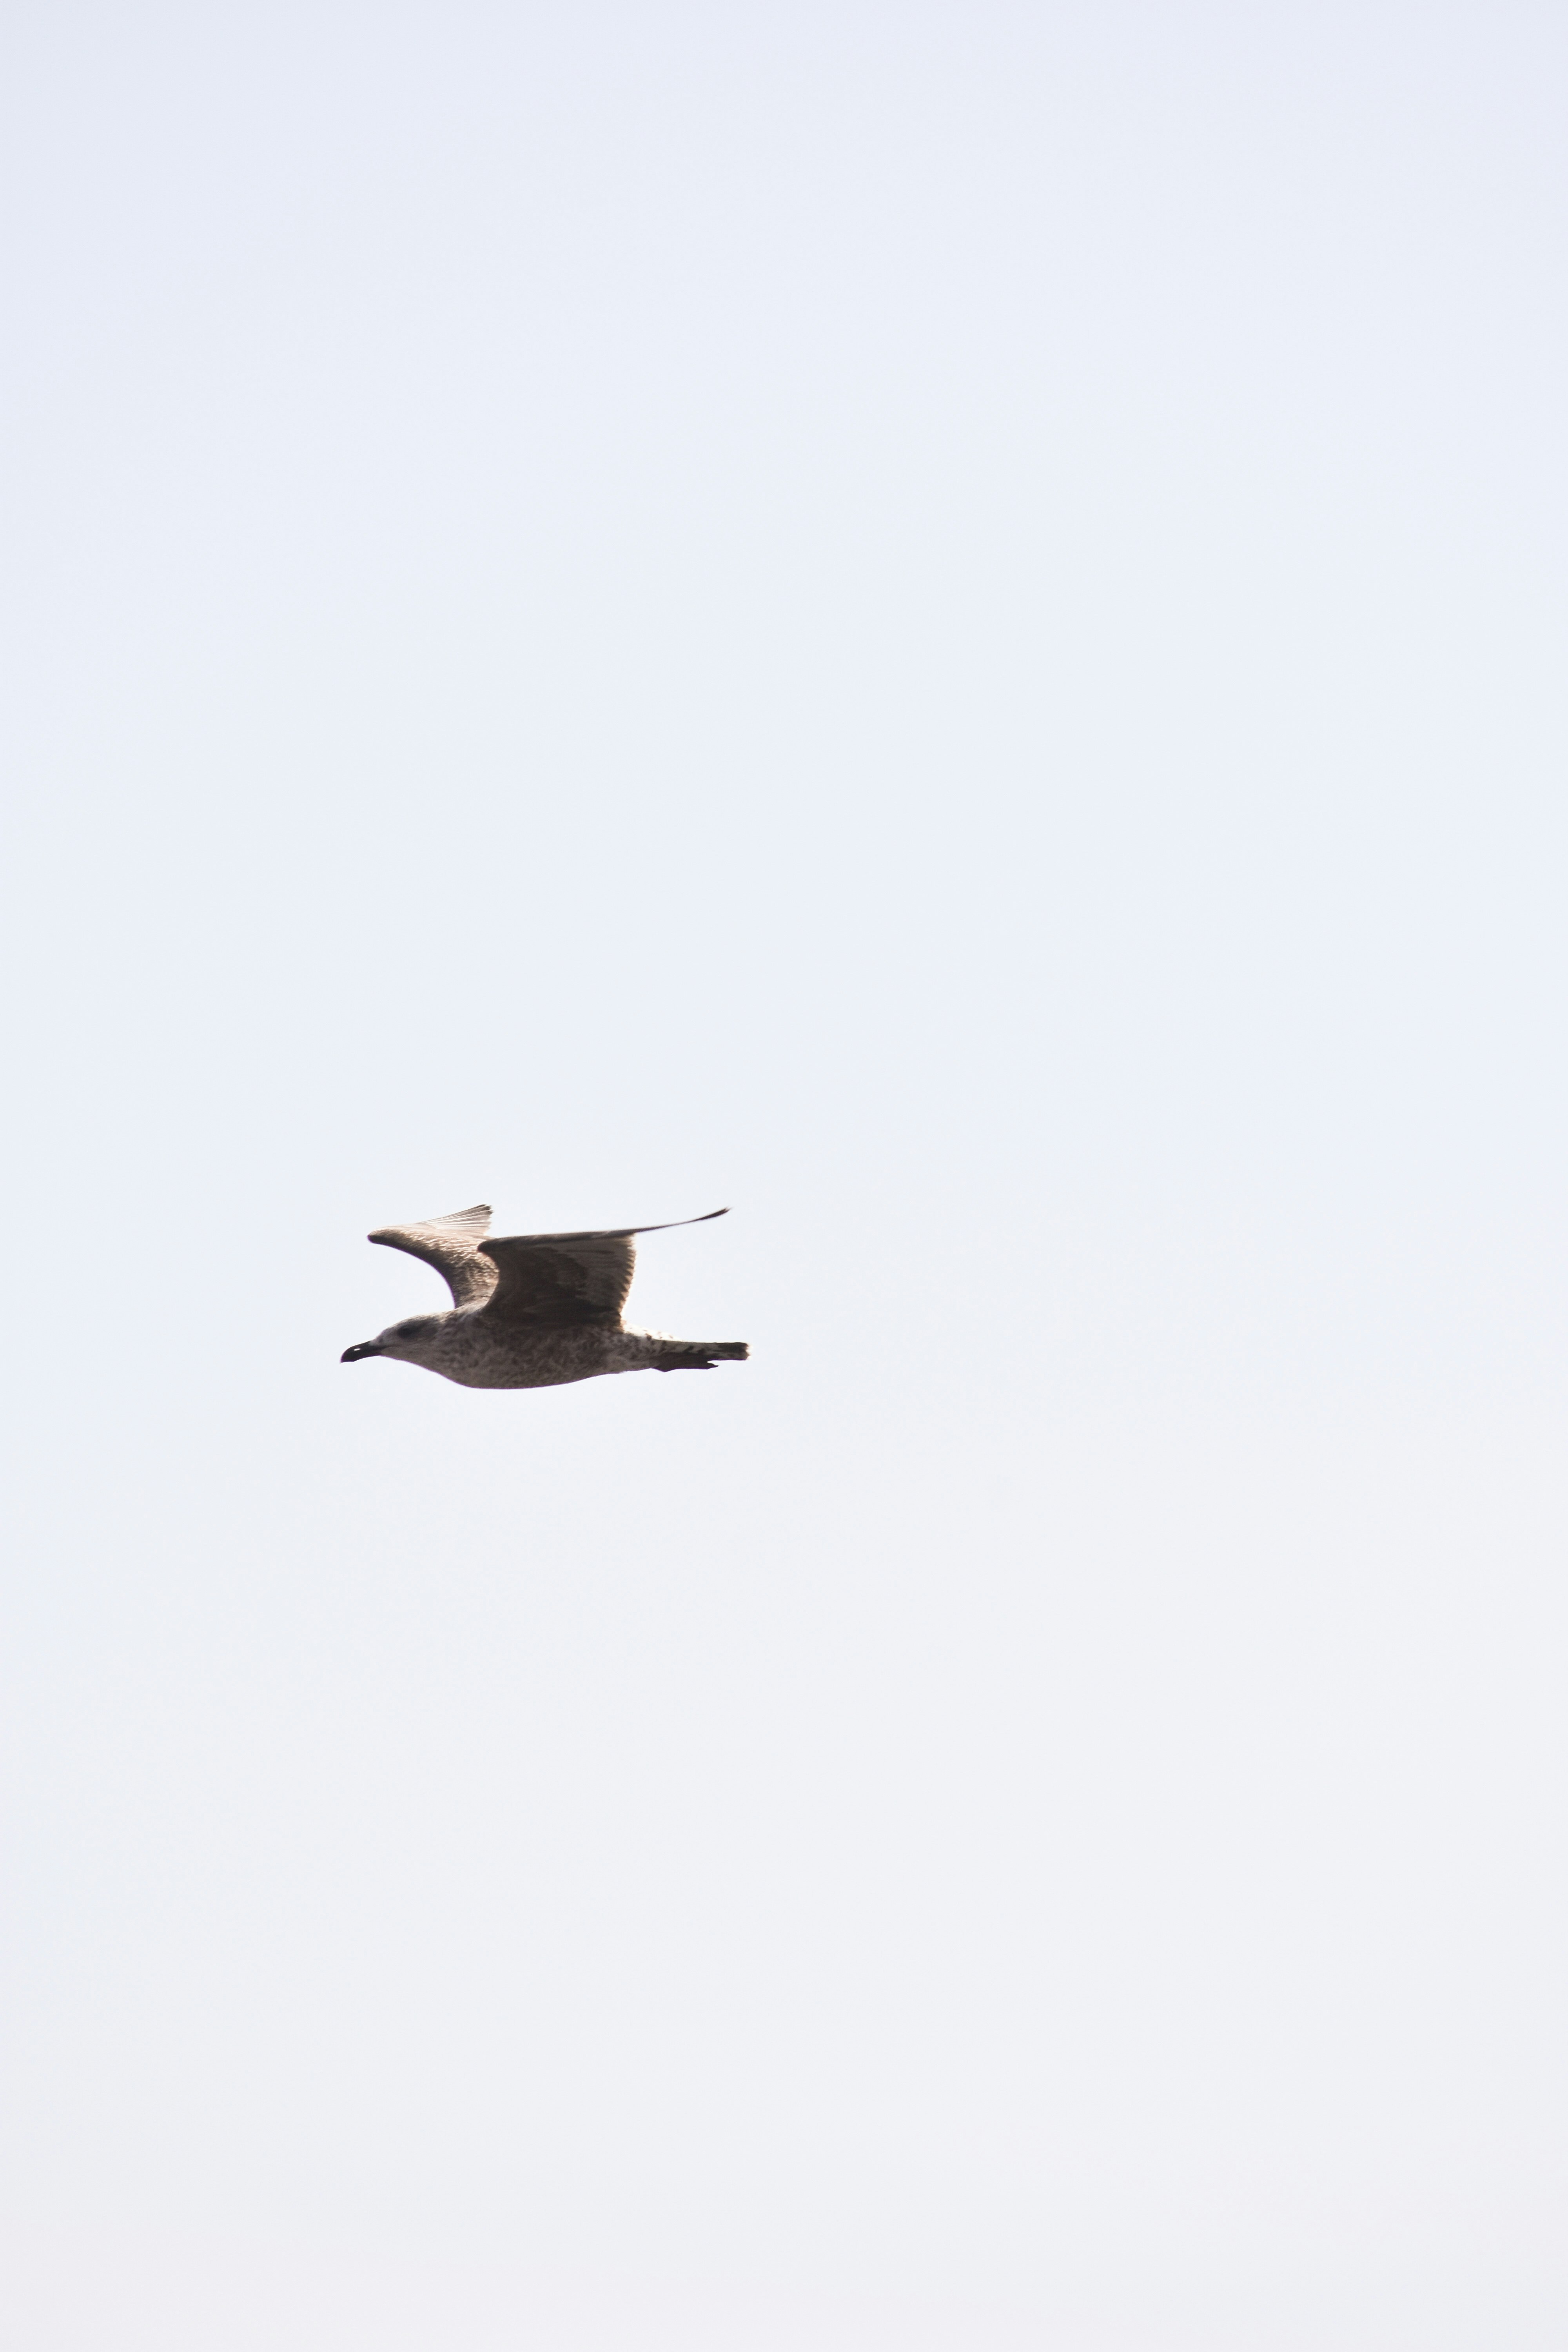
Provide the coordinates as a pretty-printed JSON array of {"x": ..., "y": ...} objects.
[{"x": 698, "y": 1355}]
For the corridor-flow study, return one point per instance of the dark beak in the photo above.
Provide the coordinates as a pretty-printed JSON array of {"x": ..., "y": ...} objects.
[{"x": 366, "y": 1347}]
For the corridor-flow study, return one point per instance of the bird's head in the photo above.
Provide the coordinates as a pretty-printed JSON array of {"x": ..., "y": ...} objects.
[{"x": 409, "y": 1339}]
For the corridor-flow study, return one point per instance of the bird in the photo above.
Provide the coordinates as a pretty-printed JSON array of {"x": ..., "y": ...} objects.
[{"x": 533, "y": 1311}]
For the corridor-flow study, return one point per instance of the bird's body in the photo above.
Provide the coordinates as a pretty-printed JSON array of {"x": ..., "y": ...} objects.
[
  {"x": 531, "y": 1310},
  {"x": 478, "y": 1354}
]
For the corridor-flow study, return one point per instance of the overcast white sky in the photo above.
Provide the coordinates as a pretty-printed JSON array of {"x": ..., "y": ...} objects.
[{"x": 944, "y": 622}]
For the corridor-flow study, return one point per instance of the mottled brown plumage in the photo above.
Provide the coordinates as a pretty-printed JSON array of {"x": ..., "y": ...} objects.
[{"x": 531, "y": 1310}]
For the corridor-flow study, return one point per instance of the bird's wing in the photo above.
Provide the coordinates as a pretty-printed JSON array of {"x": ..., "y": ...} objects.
[
  {"x": 452, "y": 1246},
  {"x": 553, "y": 1282}
]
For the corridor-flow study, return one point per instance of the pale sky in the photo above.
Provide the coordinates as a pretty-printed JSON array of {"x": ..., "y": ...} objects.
[{"x": 942, "y": 624}]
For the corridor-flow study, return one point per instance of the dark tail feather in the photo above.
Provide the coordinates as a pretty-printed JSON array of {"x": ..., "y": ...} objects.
[{"x": 700, "y": 1354}]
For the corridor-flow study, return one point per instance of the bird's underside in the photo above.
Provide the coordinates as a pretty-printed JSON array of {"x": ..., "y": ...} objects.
[{"x": 531, "y": 1310}]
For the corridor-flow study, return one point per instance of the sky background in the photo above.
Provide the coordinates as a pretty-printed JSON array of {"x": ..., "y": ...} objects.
[{"x": 943, "y": 623}]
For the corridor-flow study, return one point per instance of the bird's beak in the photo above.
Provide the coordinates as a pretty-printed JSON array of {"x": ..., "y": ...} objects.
[{"x": 366, "y": 1347}]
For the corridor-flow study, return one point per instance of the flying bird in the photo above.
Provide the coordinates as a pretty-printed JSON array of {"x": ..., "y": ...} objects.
[{"x": 533, "y": 1311}]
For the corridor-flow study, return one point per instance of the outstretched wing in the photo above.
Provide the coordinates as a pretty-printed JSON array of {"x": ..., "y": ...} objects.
[
  {"x": 556, "y": 1282},
  {"x": 451, "y": 1245}
]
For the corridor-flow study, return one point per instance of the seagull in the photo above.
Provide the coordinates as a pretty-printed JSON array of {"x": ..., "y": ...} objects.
[{"x": 533, "y": 1311}]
